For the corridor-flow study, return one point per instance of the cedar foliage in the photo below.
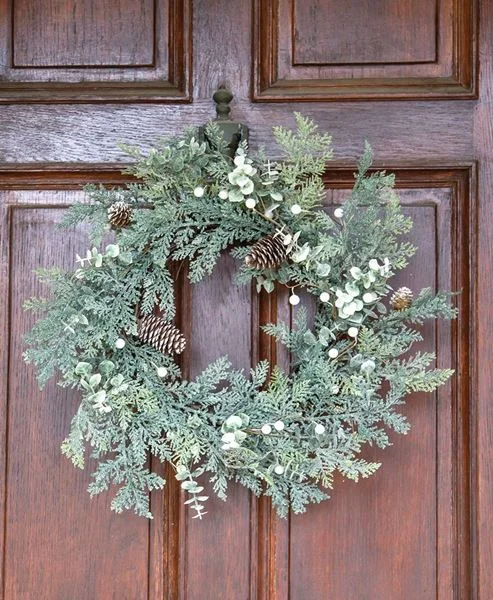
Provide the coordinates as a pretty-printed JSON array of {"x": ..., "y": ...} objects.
[{"x": 323, "y": 412}]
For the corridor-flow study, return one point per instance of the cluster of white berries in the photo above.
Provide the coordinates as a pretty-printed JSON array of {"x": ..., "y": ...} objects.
[{"x": 267, "y": 428}]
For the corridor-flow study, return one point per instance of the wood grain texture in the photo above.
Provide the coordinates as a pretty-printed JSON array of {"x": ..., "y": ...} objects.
[
  {"x": 95, "y": 51},
  {"x": 429, "y": 132},
  {"x": 91, "y": 33},
  {"x": 308, "y": 556},
  {"x": 47, "y": 150},
  {"x": 439, "y": 62},
  {"x": 370, "y": 32},
  {"x": 44, "y": 554},
  {"x": 88, "y": 552},
  {"x": 483, "y": 426}
]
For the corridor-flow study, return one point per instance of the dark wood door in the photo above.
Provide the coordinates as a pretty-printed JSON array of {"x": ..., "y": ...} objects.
[{"x": 415, "y": 78}]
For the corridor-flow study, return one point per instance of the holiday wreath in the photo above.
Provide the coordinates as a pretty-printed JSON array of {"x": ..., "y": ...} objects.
[{"x": 109, "y": 326}]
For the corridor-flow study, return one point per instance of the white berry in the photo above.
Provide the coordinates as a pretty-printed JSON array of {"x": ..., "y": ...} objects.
[
  {"x": 294, "y": 299},
  {"x": 319, "y": 429},
  {"x": 279, "y": 425},
  {"x": 120, "y": 343},
  {"x": 223, "y": 194},
  {"x": 335, "y": 389},
  {"x": 333, "y": 353},
  {"x": 296, "y": 209},
  {"x": 229, "y": 437},
  {"x": 288, "y": 238},
  {"x": 324, "y": 297},
  {"x": 162, "y": 371},
  {"x": 250, "y": 203},
  {"x": 352, "y": 332},
  {"x": 266, "y": 429},
  {"x": 279, "y": 469},
  {"x": 198, "y": 192},
  {"x": 338, "y": 213}
]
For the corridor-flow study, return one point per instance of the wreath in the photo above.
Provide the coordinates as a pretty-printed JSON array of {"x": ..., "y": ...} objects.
[{"x": 109, "y": 329}]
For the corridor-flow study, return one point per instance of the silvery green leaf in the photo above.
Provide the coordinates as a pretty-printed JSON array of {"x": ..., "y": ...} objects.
[
  {"x": 322, "y": 269},
  {"x": 234, "y": 422},
  {"x": 356, "y": 273},
  {"x": 356, "y": 361},
  {"x": 382, "y": 309},
  {"x": 99, "y": 397},
  {"x": 301, "y": 254},
  {"x": 233, "y": 177},
  {"x": 83, "y": 320},
  {"x": 276, "y": 196},
  {"x": 272, "y": 208},
  {"x": 368, "y": 366},
  {"x": 356, "y": 318},
  {"x": 98, "y": 261},
  {"x": 95, "y": 380},
  {"x": 106, "y": 367},
  {"x": 240, "y": 436},
  {"x": 112, "y": 250},
  {"x": 242, "y": 180},
  {"x": 83, "y": 368},
  {"x": 126, "y": 258},
  {"x": 248, "y": 188},
  {"x": 309, "y": 338},
  {"x": 235, "y": 196},
  {"x": 352, "y": 288},
  {"x": 245, "y": 419},
  {"x": 269, "y": 286},
  {"x": 116, "y": 380},
  {"x": 181, "y": 471},
  {"x": 325, "y": 333},
  {"x": 189, "y": 486}
]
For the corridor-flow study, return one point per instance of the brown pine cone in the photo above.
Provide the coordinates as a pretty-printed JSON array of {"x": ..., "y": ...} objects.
[{"x": 266, "y": 253}]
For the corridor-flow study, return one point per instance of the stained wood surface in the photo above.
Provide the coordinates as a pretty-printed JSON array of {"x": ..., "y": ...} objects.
[
  {"x": 364, "y": 32},
  {"x": 311, "y": 50},
  {"x": 50, "y": 33},
  {"x": 421, "y": 528},
  {"x": 95, "y": 51}
]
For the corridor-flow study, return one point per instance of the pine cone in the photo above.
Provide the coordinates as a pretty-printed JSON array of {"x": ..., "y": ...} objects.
[
  {"x": 120, "y": 214},
  {"x": 266, "y": 253},
  {"x": 401, "y": 299},
  {"x": 164, "y": 336}
]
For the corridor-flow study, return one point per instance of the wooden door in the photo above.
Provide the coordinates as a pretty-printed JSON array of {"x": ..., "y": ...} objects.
[{"x": 415, "y": 78}]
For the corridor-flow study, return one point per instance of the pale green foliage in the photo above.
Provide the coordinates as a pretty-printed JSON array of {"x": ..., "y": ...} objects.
[{"x": 280, "y": 434}]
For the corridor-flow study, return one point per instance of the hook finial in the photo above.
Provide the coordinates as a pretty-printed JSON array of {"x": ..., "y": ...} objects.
[{"x": 222, "y": 98}]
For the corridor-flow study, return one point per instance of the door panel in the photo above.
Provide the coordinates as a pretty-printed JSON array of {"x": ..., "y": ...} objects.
[
  {"x": 421, "y": 527},
  {"x": 398, "y": 521},
  {"x": 323, "y": 50},
  {"x": 95, "y": 50}
]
